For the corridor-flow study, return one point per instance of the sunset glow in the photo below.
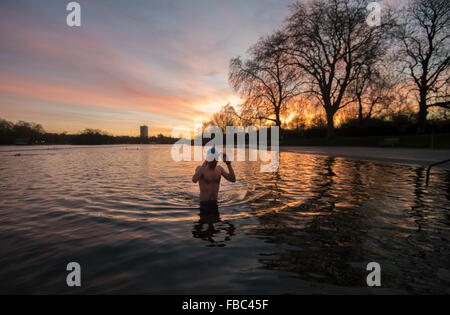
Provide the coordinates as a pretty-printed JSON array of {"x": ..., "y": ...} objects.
[{"x": 152, "y": 62}]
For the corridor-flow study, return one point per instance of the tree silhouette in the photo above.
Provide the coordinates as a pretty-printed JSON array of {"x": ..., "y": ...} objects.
[
  {"x": 424, "y": 32},
  {"x": 266, "y": 81},
  {"x": 227, "y": 116},
  {"x": 329, "y": 40}
]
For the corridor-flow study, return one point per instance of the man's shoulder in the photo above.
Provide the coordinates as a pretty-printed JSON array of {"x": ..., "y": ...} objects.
[
  {"x": 199, "y": 168},
  {"x": 220, "y": 168}
]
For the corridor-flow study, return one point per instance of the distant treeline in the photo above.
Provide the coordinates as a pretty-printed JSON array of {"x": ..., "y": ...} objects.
[
  {"x": 31, "y": 133},
  {"x": 399, "y": 125}
]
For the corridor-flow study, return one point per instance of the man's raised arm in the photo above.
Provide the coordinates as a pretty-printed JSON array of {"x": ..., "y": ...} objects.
[
  {"x": 230, "y": 176},
  {"x": 198, "y": 173}
]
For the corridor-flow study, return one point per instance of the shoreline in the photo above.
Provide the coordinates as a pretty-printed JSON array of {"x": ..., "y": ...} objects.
[{"x": 415, "y": 157}]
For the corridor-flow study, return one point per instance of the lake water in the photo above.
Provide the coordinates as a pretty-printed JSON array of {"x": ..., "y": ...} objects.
[{"x": 129, "y": 216}]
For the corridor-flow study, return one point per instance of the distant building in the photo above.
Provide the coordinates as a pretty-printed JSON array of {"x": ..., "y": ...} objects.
[{"x": 144, "y": 132}]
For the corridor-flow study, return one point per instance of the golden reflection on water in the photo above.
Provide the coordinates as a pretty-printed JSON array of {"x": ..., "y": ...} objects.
[{"x": 318, "y": 218}]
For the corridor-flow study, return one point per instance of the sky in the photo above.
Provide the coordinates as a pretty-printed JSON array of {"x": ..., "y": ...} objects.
[{"x": 161, "y": 63}]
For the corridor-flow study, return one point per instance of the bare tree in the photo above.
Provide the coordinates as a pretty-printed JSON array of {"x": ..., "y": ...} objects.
[
  {"x": 372, "y": 91},
  {"x": 330, "y": 41},
  {"x": 424, "y": 32},
  {"x": 266, "y": 81},
  {"x": 227, "y": 116}
]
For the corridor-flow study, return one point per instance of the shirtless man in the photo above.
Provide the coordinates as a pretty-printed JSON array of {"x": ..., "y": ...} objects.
[{"x": 208, "y": 176}]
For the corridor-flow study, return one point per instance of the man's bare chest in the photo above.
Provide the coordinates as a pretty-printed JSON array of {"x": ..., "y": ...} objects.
[{"x": 211, "y": 176}]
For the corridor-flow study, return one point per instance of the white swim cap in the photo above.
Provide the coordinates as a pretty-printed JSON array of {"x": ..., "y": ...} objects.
[{"x": 212, "y": 154}]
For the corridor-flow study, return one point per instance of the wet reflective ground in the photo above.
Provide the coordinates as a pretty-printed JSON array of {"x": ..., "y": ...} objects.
[{"x": 129, "y": 215}]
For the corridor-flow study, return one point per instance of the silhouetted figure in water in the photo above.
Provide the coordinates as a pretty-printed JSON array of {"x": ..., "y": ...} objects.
[{"x": 208, "y": 176}]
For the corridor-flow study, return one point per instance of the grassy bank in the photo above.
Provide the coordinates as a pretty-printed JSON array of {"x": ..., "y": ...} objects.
[{"x": 440, "y": 141}]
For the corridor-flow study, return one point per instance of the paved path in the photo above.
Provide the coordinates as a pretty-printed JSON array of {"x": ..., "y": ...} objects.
[{"x": 420, "y": 157}]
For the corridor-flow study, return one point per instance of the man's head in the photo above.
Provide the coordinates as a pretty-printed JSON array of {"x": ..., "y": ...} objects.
[{"x": 212, "y": 157}]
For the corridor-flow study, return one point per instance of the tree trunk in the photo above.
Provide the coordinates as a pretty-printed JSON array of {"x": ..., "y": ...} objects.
[
  {"x": 423, "y": 112},
  {"x": 277, "y": 118},
  {"x": 360, "y": 112},
  {"x": 278, "y": 122},
  {"x": 422, "y": 118},
  {"x": 330, "y": 124}
]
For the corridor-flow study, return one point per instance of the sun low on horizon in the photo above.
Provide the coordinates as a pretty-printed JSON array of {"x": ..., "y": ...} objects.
[{"x": 158, "y": 63}]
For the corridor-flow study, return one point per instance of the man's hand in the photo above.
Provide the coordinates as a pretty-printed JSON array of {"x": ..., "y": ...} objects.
[
  {"x": 225, "y": 159},
  {"x": 230, "y": 176}
]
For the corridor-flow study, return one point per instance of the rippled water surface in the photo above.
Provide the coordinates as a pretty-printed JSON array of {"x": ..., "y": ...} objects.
[{"x": 129, "y": 215}]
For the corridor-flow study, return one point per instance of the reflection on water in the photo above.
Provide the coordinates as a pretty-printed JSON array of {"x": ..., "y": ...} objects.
[
  {"x": 130, "y": 216},
  {"x": 211, "y": 228}
]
